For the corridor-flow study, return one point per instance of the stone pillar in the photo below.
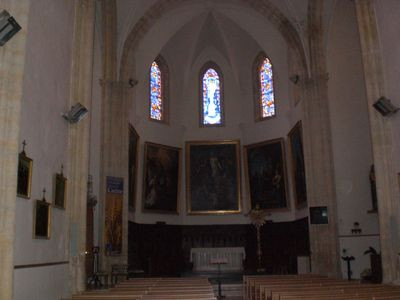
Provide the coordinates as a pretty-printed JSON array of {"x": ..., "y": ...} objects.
[
  {"x": 324, "y": 242},
  {"x": 81, "y": 91},
  {"x": 114, "y": 131},
  {"x": 114, "y": 158},
  {"x": 381, "y": 137},
  {"x": 12, "y": 60}
]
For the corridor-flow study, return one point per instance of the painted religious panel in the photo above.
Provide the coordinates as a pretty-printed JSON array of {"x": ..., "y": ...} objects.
[
  {"x": 161, "y": 178},
  {"x": 298, "y": 167},
  {"x": 24, "y": 175},
  {"x": 41, "y": 220},
  {"x": 113, "y": 216},
  {"x": 213, "y": 177},
  {"x": 60, "y": 190},
  {"x": 132, "y": 166},
  {"x": 266, "y": 174}
]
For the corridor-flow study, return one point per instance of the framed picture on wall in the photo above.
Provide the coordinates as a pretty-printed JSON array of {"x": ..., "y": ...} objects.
[
  {"x": 266, "y": 178},
  {"x": 161, "y": 180},
  {"x": 41, "y": 220},
  {"x": 60, "y": 190},
  {"x": 213, "y": 177},
  {"x": 24, "y": 175},
  {"x": 132, "y": 166},
  {"x": 298, "y": 167}
]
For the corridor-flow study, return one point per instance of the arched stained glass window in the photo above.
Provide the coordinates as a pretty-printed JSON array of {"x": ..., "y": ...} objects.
[
  {"x": 267, "y": 89},
  {"x": 211, "y": 102},
  {"x": 264, "y": 88},
  {"x": 156, "y": 101},
  {"x": 158, "y": 95}
]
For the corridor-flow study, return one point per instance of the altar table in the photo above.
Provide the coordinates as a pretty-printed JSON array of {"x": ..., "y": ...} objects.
[{"x": 202, "y": 259}]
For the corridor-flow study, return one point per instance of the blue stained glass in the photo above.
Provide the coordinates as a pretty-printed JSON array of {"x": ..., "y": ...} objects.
[
  {"x": 211, "y": 98},
  {"x": 267, "y": 89},
  {"x": 156, "y": 101}
]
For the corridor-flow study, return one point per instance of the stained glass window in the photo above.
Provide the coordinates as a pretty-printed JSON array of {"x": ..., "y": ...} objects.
[
  {"x": 211, "y": 105},
  {"x": 156, "y": 99},
  {"x": 267, "y": 101}
]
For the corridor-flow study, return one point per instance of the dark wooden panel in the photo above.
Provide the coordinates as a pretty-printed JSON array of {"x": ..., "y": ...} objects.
[{"x": 164, "y": 250}]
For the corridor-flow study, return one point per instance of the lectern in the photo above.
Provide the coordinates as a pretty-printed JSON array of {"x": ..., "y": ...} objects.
[{"x": 219, "y": 261}]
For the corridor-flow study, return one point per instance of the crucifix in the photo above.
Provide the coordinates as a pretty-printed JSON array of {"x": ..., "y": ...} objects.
[{"x": 257, "y": 217}]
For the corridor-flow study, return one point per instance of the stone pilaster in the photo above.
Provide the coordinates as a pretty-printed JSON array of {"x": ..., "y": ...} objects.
[
  {"x": 324, "y": 242},
  {"x": 81, "y": 91},
  {"x": 114, "y": 131},
  {"x": 114, "y": 153},
  {"x": 381, "y": 137},
  {"x": 12, "y": 61}
]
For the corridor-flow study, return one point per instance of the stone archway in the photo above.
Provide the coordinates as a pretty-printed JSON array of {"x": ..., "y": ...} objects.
[{"x": 318, "y": 148}]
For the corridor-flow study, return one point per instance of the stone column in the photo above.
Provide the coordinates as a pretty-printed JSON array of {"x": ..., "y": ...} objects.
[
  {"x": 324, "y": 242},
  {"x": 381, "y": 137},
  {"x": 81, "y": 91},
  {"x": 12, "y": 60},
  {"x": 114, "y": 155}
]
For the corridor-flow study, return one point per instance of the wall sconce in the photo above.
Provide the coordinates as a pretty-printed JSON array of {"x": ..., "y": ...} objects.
[
  {"x": 76, "y": 113},
  {"x": 295, "y": 78},
  {"x": 356, "y": 229},
  {"x": 385, "y": 107},
  {"x": 132, "y": 82},
  {"x": 8, "y": 27}
]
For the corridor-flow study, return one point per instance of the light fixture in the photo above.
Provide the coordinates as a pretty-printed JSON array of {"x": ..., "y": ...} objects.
[
  {"x": 76, "y": 113},
  {"x": 295, "y": 78},
  {"x": 132, "y": 82},
  {"x": 8, "y": 27},
  {"x": 385, "y": 107}
]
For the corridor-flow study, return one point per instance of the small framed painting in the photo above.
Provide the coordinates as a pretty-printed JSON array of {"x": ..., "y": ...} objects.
[
  {"x": 41, "y": 220},
  {"x": 24, "y": 176},
  {"x": 60, "y": 190}
]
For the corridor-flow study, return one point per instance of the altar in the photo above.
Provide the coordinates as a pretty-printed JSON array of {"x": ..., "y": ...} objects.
[{"x": 202, "y": 259}]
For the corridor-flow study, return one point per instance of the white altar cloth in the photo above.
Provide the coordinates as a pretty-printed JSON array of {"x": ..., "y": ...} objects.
[{"x": 202, "y": 258}]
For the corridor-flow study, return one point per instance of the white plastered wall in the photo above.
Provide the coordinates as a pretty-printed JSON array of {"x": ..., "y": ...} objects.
[{"x": 46, "y": 90}]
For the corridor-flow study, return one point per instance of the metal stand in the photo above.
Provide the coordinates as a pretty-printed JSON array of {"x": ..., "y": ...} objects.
[
  {"x": 219, "y": 262},
  {"x": 348, "y": 259},
  {"x": 95, "y": 278}
]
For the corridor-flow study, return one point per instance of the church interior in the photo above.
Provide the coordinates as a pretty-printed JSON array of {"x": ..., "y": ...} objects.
[{"x": 186, "y": 139}]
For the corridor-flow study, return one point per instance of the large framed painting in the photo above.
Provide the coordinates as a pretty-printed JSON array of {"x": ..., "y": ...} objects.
[
  {"x": 41, "y": 220},
  {"x": 24, "y": 176},
  {"x": 60, "y": 190},
  {"x": 161, "y": 178},
  {"x": 132, "y": 166},
  {"x": 213, "y": 177},
  {"x": 298, "y": 168},
  {"x": 266, "y": 178}
]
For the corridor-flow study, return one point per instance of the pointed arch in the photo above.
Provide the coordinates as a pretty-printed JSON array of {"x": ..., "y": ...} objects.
[
  {"x": 263, "y": 86},
  {"x": 158, "y": 90},
  {"x": 211, "y": 98}
]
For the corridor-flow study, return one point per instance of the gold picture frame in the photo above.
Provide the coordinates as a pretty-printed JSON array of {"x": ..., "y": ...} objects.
[
  {"x": 60, "y": 190},
  {"x": 298, "y": 173},
  {"x": 133, "y": 163},
  {"x": 24, "y": 181},
  {"x": 266, "y": 175},
  {"x": 41, "y": 219},
  {"x": 213, "y": 177}
]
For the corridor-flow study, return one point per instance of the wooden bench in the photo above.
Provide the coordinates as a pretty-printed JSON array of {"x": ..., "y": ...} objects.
[{"x": 154, "y": 289}]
